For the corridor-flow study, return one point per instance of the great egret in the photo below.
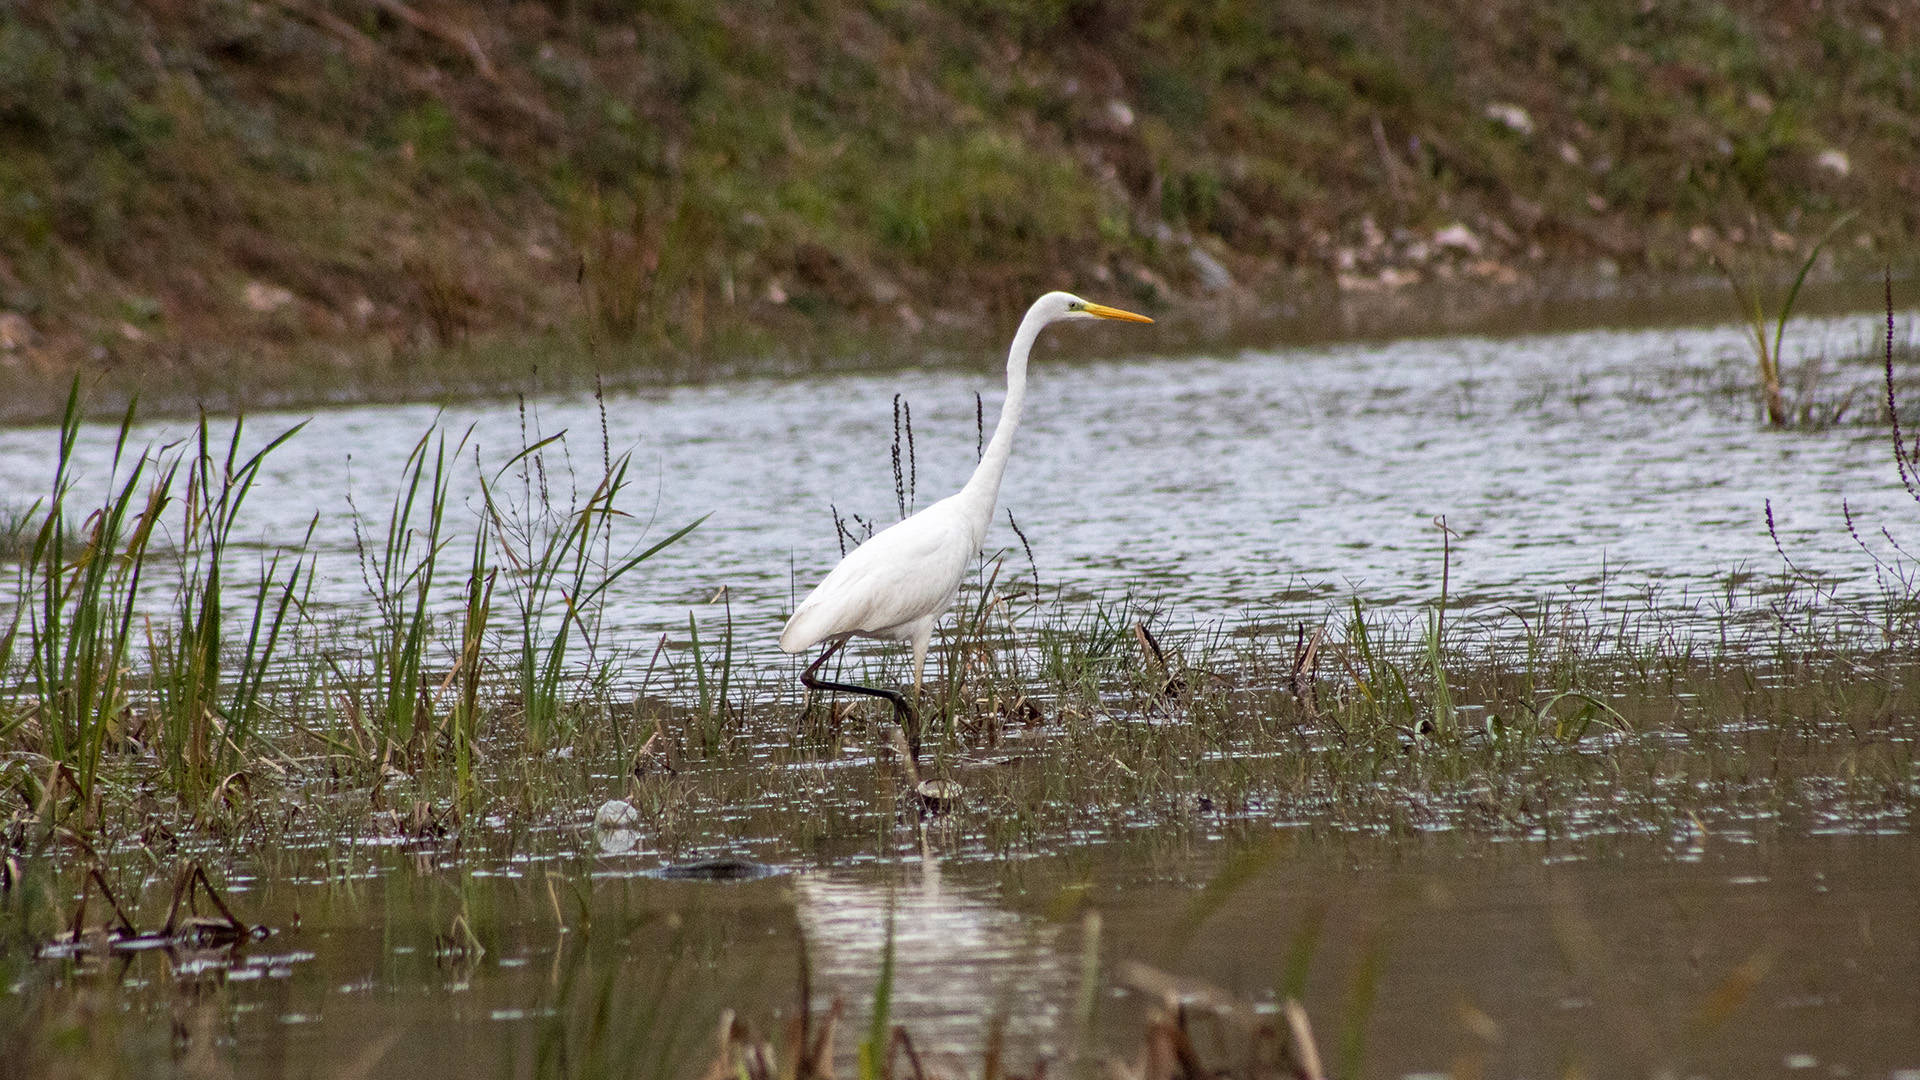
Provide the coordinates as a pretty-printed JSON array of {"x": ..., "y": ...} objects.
[{"x": 897, "y": 585}]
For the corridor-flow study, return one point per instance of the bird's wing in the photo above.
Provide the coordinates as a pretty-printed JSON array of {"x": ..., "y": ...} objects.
[{"x": 907, "y": 572}]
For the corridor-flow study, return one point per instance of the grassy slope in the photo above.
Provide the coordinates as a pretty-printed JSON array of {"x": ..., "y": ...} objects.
[{"x": 229, "y": 192}]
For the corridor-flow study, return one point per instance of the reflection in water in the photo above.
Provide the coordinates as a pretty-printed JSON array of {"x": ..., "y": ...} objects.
[
  {"x": 1726, "y": 956},
  {"x": 960, "y": 961}
]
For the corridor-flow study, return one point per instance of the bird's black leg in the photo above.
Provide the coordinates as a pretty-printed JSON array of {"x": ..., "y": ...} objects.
[{"x": 909, "y": 722}]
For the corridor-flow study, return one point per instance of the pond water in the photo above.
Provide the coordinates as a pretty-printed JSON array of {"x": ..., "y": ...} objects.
[
  {"x": 1263, "y": 485},
  {"x": 1726, "y": 955}
]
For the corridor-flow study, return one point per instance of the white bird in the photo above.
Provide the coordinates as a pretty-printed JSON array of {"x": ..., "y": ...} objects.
[{"x": 897, "y": 585}]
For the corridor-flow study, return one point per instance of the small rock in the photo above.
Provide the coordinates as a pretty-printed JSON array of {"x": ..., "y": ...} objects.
[
  {"x": 1394, "y": 277},
  {"x": 16, "y": 332},
  {"x": 1371, "y": 234},
  {"x": 1494, "y": 271},
  {"x": 1835, "y": 162},
  {"x": 1458, "y": 237},
  {"x": 616, "y": 814},
  {"x": 1120, "y": 113},
  {"x": 1389, "y": 279},
  {"x": 265, "y": 298},
  {"x": 1212, "y": 275}
]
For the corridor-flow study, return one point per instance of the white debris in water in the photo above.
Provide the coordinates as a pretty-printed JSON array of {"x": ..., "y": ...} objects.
[{"x": 616, "y": 814}]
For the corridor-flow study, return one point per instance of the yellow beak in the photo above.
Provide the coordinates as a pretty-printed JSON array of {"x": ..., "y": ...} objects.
[{"x": 1106, "y": 312}]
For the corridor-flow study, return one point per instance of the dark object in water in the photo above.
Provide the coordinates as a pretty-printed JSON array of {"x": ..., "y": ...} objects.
[
  {"x": 189, "y": 931},
  {"x": 722, "y": 868}
]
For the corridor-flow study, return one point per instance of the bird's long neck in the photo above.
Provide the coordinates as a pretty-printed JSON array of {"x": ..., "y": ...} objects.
[{"x": 982, "y": 492}]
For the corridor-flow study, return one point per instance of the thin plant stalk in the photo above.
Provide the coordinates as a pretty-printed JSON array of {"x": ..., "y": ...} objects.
[{"x": 1767, "y": 352}]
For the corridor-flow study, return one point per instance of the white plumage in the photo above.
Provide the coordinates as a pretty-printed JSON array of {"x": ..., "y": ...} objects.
[{"x": 898, "y": 584}]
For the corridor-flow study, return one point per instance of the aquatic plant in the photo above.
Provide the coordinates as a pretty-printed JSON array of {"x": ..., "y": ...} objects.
[
  {"x": 1766, "y": 352},
  {"x": 209, "y": 689},
  {"x": 1905, "y": 461},
  {"x": 80, "y": 592},
  {"x": 712, "y": 680},
  {"x": 1576, "y": 720},
  {"x": 561, "y": 563},
  {"x": 77, "y": 592},
  {"x": 400, "y": 577},
  {"x": 204, "y": 725}
]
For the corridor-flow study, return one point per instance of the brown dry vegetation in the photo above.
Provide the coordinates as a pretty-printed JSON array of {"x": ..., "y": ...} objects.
[{"x": 257, "y": 201}]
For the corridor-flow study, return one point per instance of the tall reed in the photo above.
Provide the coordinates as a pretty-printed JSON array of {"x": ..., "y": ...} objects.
[
  {"x": 561, "y": 564},
  {"x": 78, "y": 587},
  {"x": 400, "y": 576},
  {"x": 203, "y": 732},
  {"x": 80, "y": 590}
]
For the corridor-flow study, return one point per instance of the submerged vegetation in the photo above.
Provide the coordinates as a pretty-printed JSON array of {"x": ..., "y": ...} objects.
[{"x": 237, "y": 203}]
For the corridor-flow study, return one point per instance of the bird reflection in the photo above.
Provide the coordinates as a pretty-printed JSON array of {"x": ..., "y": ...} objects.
[{"x": 961, "y": 962}]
